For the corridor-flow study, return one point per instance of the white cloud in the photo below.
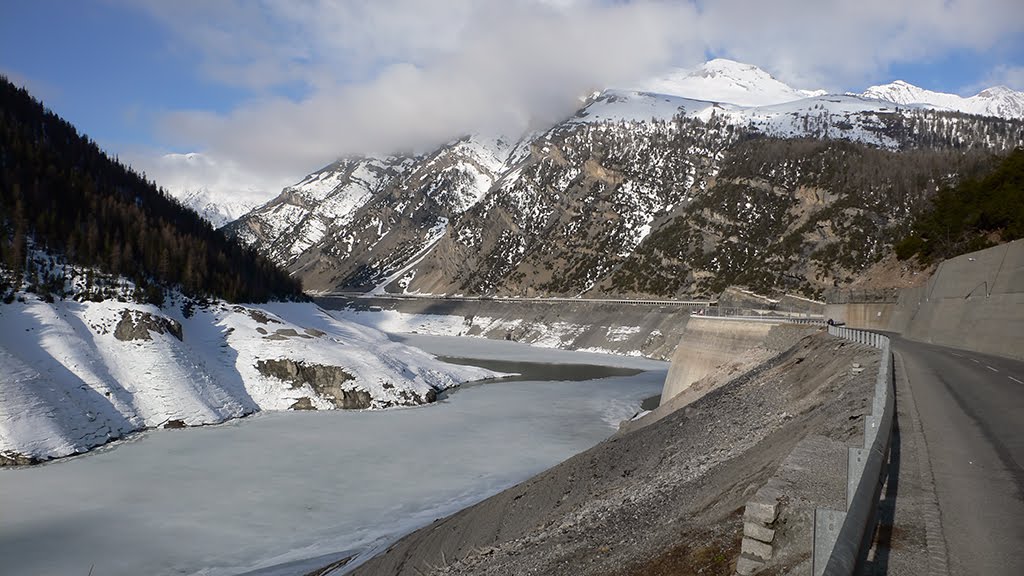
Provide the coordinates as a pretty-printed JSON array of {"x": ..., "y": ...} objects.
[
  {"x": 1002, "y": 75},
  {"x": 383, "y": 75},
  {"x": 846, "y": 45}
]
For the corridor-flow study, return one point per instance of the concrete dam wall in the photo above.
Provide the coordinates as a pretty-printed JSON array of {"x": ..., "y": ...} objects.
[
  {"x": 709, "y": 343},
  {"x": 973, "y": 302}
]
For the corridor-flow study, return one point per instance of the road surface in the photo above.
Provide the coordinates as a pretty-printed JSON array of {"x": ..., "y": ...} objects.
[{"x": 971, "y": 410}]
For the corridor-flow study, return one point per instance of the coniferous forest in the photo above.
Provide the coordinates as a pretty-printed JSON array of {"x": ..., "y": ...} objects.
[
  {"x": 61, "y": 194},
  {"x": 976, "y": 214}
]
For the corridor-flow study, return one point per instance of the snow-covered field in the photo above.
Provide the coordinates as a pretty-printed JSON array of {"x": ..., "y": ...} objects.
[
  {"x": 284, "y": 486},
  {"x": 70, "y": 384}
]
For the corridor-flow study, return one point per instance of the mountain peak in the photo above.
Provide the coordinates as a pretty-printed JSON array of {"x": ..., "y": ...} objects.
[
  {"x": 724, "y": 65},
  {"x": 728, "y": 81},
  {"x": 996, "y": 92}
]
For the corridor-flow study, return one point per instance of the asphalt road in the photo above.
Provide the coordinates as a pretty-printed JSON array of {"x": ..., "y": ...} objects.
[{"x": 971, "y": 409}]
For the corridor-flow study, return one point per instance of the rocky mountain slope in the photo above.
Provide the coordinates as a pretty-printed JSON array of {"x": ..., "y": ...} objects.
[{"x": 637, "y": 194}]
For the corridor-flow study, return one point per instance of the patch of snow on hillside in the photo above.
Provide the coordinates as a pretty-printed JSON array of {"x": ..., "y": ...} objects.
[{"x": 73, "y": 385}]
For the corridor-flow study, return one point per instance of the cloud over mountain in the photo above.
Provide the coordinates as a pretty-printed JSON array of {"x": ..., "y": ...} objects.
[{"x": 331, "y": 78}]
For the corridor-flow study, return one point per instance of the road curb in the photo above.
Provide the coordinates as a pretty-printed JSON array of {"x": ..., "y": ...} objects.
[{"x": 938, "y": 557}]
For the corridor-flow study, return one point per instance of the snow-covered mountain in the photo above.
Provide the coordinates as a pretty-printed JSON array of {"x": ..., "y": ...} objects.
[
  {"x": 79, "y": 374},
  {"x": 605, "y": 202},
  {"x": 998, "y": 101},
  {"x": 382, "y": 210},
  {"x": 722, "y": 80},
  {"x": 220, "y": 192},
  {"x": 214, "y": 207}
]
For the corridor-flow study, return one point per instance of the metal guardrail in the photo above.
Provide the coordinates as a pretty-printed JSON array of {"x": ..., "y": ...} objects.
[
  {"x": 394, "y": 296},
  {"x": 842, "y": 538},
  {"x": 748, "y": 313}
]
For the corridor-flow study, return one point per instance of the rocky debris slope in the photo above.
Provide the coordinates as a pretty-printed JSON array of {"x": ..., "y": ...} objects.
[
  {"x": 665, "y": 499},
  {"x": 79, "y": 375}
]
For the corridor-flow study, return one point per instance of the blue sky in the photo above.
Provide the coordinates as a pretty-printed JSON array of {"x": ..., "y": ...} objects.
[
  {"x": 272, "y": 89},
  {"x": 106, "y": 68}
]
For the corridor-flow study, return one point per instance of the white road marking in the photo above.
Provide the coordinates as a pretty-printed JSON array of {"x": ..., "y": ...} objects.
[
  {"x": 1015, "y": 380},
  {"x": 991, "y": 368},
  {"x": 975, "y": 361},
  {"x": 957, "y": 355}
]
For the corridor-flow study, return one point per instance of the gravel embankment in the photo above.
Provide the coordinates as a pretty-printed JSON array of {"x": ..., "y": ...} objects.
[{"x": 664, "y": 499}]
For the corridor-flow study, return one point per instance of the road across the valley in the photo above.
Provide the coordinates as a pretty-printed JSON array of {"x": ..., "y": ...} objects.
[{"x": 971, "y": 409}]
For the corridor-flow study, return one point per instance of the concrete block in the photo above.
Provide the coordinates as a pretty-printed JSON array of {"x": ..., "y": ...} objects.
[
  {"x": 756, "y": 549},
  {"x": 763, "y": 512},
  {"x": 758, "y": 531},
  {"x": 747, "y": 565}
]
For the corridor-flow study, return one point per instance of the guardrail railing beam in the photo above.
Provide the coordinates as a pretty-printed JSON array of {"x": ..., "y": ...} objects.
[{"x": 837, "y": 551}]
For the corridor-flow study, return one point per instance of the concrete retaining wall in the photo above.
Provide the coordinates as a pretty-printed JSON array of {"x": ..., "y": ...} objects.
[
  {"x": 973, "y": 302},
  {"x": 872, "y": 316},
  {"x": 706, "y": 344}
]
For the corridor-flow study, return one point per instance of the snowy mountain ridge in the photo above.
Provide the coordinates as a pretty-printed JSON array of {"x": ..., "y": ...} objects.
[
  {"x": 562, "y": 211},
  {"x": 999, "y": 101},
  {"x": 219, "y": 192},
  {"x": 215, "y": 208},
  {"x": 731, "y": 85},
  {"x": 726, "y": 81}
]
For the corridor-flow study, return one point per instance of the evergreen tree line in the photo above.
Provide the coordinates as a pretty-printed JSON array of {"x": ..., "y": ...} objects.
[
  {"x": 60, "y": 190},
  {"x": 975, "y": 214}
]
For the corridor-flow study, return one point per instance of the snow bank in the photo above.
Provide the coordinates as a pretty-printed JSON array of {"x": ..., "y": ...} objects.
[{"x": 72, "y": 383}]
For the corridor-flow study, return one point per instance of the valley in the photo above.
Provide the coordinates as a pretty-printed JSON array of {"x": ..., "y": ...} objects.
[{"x": 544, "y": 301}]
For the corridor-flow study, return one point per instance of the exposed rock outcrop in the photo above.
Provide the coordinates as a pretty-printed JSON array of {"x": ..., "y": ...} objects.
[
  {"x": 8, "y": 458},
  {"x": 136, "y": 325},
  {"x": 326, "y": 381}
]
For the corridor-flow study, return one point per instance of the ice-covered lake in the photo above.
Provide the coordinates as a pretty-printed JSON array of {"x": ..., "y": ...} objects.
[{"x": 280, "y": 487}]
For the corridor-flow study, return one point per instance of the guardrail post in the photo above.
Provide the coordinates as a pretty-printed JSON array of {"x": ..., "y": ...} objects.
[
  {"x": 827, "y": 525},
  {"x": 855, "y": 462}
]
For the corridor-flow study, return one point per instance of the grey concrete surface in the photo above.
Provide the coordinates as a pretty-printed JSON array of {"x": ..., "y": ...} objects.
[
  {"x": 974, "y": 302},
  {"x": 970, "y": 407}
]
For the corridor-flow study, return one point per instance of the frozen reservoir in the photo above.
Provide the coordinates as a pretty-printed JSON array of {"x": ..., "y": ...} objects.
[{"x": 281, "y": 487}]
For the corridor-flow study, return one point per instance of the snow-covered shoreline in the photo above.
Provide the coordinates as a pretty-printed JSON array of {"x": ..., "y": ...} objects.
[{"x": 81, "y": 374}]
